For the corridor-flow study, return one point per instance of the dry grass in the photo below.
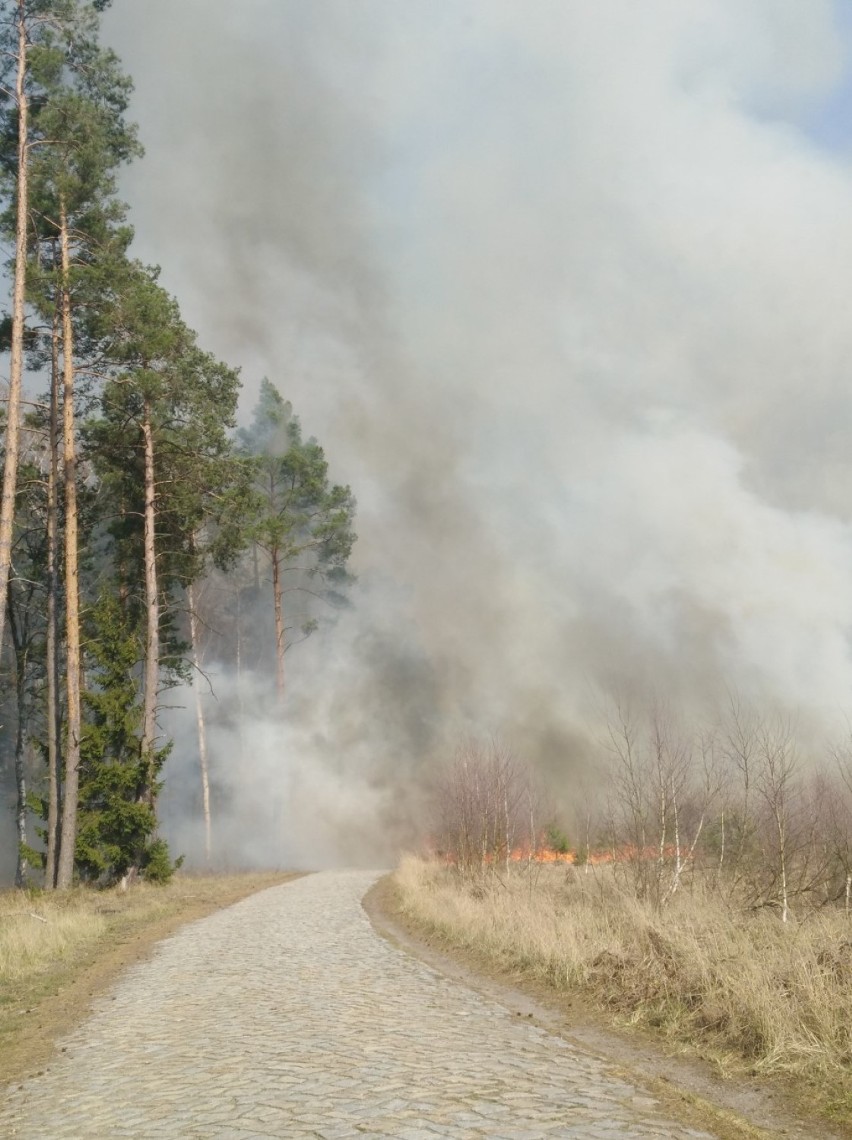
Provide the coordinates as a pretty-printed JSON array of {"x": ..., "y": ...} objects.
[
  {"x": 40, "y": 932},
  {"x": 746, "y": 990},
  {"x": 58, "y": 950}
]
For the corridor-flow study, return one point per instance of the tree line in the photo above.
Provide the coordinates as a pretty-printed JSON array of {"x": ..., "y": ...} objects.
[
  {"x": 735, "y": 803},
  {"x": 126, "y": 487},
  {"x": 732, "y": 805}
]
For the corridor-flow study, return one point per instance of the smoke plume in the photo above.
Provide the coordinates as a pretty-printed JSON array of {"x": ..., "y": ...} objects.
[{"x": 562, "y": 289}]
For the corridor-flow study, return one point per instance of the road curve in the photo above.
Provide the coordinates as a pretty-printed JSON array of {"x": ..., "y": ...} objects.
[{"x": 286, "y": 1015}]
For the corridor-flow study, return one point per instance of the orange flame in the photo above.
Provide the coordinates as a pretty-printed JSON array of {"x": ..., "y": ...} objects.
[{"x": 544, "y": 855}]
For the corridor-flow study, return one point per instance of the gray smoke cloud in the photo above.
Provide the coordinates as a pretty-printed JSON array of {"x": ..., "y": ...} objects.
[{"x": 562, "y": 289}]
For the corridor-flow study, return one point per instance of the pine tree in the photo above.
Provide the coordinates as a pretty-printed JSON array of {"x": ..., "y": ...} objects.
[
  {"x": 80, "y": 236},
  {"x": 17, "y": 33},
  {"x": 26, "y": 635},
  {"x": 117, "y": 824},
  {"x": 161, "y": 449},
  {"x": 302, "y": 522}
]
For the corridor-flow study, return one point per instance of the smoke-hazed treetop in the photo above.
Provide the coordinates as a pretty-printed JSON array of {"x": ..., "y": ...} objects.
[
  {"x": 132, "y": 489},
  {"x": 298, "y": 518}
]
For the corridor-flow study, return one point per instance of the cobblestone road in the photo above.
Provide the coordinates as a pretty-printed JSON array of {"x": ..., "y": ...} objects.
[{"x": 287, "y": 1016}]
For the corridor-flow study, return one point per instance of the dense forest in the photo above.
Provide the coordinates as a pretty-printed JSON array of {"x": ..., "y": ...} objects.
[{"x": 142, "y": 536}]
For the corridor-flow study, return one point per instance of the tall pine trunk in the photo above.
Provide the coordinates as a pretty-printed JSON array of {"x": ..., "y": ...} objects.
[
  {"x": 73, "y": 663},
  {"x": 22, "y": 864},
  {"x": 19, "y": 645},
  {"x": 54, "y": 777},
  {"x": 241, "y": 703},
  {"x": 16, "y": 362},
  {"x": 146, "y": 791},
  {"x": 280, "y": 645},
  {"x": 202, "y": 729},
  {"x": 152, "y": 611}
]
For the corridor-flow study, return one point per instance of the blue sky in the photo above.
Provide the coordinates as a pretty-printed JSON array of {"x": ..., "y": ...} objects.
[{"x": 830, "y": 123}]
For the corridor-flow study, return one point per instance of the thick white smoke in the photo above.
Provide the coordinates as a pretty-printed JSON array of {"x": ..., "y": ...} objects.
[{"x": 562, "y": 289}]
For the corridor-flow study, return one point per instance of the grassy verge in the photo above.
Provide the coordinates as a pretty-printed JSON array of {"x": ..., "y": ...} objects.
[
  {"x": 57, "y": 951},
  {"x": 750, "y": 994}
]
